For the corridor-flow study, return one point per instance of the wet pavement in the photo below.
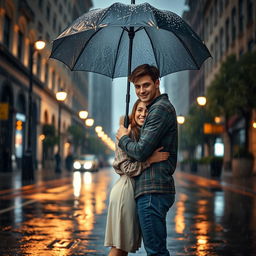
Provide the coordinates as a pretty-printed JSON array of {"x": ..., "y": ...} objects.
[{"x": 66, "y": 216}]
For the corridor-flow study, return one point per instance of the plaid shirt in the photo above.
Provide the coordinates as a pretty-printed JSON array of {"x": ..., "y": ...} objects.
[{"x": 159, "y": 129}]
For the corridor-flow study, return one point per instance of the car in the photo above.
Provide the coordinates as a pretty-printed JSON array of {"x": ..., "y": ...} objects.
[{"x": 87, "y": 162}]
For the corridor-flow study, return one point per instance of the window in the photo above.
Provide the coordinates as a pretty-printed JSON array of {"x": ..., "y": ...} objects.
[
  {"x": 7, "y": 31},
  {"x": 250, "y": 45},
  {"x": 48, "y": 12},
  {"x": 47, "y": 37},
  {"x": 220, "y": 7},
  {"x": 40, "y": 4},
  {"x": 216, "y": 50},
  {"x": 38, "y": 69},
  {"x": 20, "y": 44},
  {"x": 40, "y": 27},
  {"x": 60, "y": 9},
  {"x": 215, "y": 12},
  {"x": 211, "y": 20},
  {"x": 249, "y": 11},
  {"x": 241, "y": 16},
  {"x": 233, "y": 24},
  {"x": 46, "y": 74},
  {"x": 54, "y": 22},
  {"x": 221, "y": 43},
  {"x": 227, "y": 33},
  {"x": 53, "y": 80}
]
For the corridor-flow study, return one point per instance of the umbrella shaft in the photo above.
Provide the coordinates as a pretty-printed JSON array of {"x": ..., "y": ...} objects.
[{"x": 131, "y": 34}]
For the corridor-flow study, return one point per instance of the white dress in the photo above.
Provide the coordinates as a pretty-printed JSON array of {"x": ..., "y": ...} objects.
[{"x": 122, "y": 228}]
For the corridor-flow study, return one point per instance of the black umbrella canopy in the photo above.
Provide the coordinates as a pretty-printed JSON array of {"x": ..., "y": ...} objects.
[
  {"x": 98, "y": 41},
  {"x": 114, "y": 40}
]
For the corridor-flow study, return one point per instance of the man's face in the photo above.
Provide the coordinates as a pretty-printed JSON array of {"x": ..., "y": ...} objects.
[{"x": 146, "y": 89}]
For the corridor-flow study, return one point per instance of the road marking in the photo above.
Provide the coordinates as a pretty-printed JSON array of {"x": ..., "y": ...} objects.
[{"x": 18, "y": 206}]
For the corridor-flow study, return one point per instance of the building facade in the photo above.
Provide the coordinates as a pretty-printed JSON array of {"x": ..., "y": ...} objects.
[
  {"x": 227, "y": 27},
  {"x": 22, "y": 22},
  {"x": 100, "y": 101}
]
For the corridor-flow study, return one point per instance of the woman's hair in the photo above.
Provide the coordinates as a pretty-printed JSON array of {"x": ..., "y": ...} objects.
[{"x": 134, "y": 127}]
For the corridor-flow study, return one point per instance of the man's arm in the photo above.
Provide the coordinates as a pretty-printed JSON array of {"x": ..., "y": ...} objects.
[{"x": 158, "y": 121}]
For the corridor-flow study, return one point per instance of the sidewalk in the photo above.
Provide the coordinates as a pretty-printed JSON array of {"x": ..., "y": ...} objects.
[
  {"x": 13, "y": 180},
  {"x": 244, "y": 185}
]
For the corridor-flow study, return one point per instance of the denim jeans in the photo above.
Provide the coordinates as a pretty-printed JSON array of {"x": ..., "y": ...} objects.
[{"x": 152, "y": 210}]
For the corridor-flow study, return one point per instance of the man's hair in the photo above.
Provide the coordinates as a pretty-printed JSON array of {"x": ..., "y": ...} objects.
[{"x": 144, "y": 70}]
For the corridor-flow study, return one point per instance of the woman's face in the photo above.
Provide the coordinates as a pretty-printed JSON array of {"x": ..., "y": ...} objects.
[{"x": 141, "y": 113}]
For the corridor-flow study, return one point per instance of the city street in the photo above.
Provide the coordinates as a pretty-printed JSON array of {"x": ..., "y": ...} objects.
[{"x": 66, "y": 216}]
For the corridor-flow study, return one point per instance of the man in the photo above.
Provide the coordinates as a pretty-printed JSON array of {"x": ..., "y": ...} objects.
[{"x": 154, "y": 188}]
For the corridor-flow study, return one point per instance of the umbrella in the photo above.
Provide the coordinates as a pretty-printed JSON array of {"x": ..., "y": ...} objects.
[{"x": 112, "y": 41}]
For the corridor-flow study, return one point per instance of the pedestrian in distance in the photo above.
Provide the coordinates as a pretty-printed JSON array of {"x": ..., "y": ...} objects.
[
  {"x": 154, "y": 187},
  {"x": 122, "y": 229},
  {"x": 69, "y": 161}
]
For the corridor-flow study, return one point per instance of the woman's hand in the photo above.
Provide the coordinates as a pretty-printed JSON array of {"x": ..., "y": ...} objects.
[{"x": 158, "y": 156}]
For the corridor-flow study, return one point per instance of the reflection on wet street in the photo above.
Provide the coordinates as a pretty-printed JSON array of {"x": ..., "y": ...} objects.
[
  {"x": 67, "y": 217},
  {"x": 57, "y": 219}
]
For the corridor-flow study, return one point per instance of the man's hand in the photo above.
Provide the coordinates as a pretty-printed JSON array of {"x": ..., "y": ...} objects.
[{"x": 123, "y": 131}]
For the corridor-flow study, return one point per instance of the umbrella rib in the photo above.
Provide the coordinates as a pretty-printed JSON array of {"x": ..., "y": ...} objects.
[
  {"x": 113, "y": 72},
  {"x": 85, "y": 46},
  {"x": 188, "y": 51},
  {"x": 152, "y": 47}
]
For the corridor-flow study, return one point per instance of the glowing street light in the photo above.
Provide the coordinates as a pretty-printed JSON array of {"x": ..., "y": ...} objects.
[
  {"x": 98, "y": 129},
  {"x": 83, "y": 114},
  {"x": 28, "y": 162},
  {"x": 217, "y": 119},
  {"x": 254, "y": 125},
  {"x": 89, "y": 122},
  {"x": 39, "y": 45},
  {"x": 180, "y": 119},
  {"x": 201, "y": 100},
  {"x": 61, "y": 95}
]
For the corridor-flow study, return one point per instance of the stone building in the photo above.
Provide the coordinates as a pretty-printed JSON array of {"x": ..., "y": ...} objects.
[{"x": 22, "y": 22}]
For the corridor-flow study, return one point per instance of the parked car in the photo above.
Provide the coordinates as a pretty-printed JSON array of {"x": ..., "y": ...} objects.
[{"x": 87, "y": 162}]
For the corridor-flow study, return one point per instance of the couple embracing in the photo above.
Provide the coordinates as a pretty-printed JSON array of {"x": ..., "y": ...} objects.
[{"x": 145, "y": 159}]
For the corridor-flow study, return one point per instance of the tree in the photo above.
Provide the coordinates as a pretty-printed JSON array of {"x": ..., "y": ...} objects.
[
  {"x": 49, "y": 141},
  {"x": 233, "y": 91},
  {"x": 78, "y": 136},
  {"x": 191, "y": 131},
  {"x": 243, "y": 93}
]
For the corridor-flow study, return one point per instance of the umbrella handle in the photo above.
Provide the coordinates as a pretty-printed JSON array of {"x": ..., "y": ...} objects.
[{"x": 126, "y": 121}]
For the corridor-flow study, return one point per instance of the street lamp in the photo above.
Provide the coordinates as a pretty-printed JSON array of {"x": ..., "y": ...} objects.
[
  {"x": 60, "y": 96},
  {"x": 98, "y": 129},
  {"x": 83, "y": 114},
  {"x": 28, "y": 163},
  {"x": 201, "y": 100},
  {"x": 89, "y": 122},
  {"x": 180, "y": 119}
]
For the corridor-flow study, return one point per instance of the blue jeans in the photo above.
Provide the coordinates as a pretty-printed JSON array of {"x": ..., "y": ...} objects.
[{"x": 152, "y": 210}]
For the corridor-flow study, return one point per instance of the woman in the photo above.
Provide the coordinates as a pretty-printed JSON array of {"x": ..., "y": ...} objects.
[{"x": 122, "y": 228}]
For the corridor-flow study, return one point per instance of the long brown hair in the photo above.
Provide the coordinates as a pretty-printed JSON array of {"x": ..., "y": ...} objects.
[{"x": 134, "y": 127}]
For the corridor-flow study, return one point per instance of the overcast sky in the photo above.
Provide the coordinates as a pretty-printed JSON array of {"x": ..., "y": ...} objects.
[{"x": 119, "y": 84}]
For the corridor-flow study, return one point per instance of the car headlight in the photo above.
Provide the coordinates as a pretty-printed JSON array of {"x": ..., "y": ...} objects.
[
  {"x": 77, "y": 165},
  {"x": 88, "y": 165}
]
